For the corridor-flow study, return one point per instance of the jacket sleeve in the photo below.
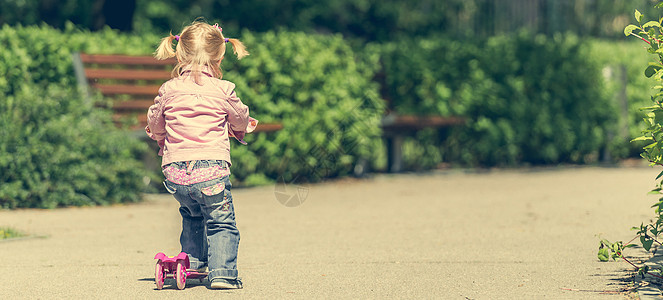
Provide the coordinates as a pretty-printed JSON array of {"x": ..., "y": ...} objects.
[
  {"x": 156, "y": 123},
  {"x": 239, "y": 135},
  {"x": 238, "y": 113}
]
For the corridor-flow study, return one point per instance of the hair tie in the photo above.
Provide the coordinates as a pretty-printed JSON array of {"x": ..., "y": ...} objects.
[
  {"x": 227, "y": 40},
  {"x": 216, "y": 25},
  {"x": 177, "y": 38}
]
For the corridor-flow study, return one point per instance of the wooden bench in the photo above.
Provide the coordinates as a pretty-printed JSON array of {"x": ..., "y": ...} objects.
[
  {"x": 396, "y": 127},
  {"x": 131, "y": 82}
]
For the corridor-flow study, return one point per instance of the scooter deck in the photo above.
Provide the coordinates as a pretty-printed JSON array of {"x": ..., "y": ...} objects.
[{"x": 194, "y": 274}]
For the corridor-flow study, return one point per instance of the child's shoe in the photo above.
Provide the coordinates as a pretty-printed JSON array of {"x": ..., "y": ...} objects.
[{"x": 221, "y": 283}]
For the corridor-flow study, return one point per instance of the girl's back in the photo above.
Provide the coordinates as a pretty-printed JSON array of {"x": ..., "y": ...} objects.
[
  {"x": 195, "y": 112},
  {"x": 192, "y": 118}
]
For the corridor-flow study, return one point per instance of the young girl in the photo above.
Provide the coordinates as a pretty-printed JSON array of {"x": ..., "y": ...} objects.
[{"x": 192, "y": 118}]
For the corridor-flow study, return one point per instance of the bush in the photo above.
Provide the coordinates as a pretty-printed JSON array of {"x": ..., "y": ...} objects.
[
  {"x": 323, "y": 96},
  {"x": 56, "y": 149},
  {"x": 54, "y": 152},
  {"x": 527, "y": 99}
]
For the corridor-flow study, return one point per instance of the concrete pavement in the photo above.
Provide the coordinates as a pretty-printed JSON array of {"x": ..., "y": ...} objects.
[{"x": 504, "y": 234}]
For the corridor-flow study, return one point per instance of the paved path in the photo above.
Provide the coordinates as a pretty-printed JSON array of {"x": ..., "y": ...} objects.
[{"x": 450, "y": 235}]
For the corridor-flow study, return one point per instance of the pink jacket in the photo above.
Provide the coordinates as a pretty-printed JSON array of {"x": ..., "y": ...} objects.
[{"x": 193, "y": 121}]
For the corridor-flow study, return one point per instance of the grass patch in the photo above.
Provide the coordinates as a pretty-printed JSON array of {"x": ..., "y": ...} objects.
[{"x": 8, "y": 233}]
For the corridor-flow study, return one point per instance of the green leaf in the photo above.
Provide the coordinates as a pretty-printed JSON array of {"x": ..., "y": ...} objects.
[
  {"x": 642, "y": 138},
  {"x": 659, "y": 175},
  {"x": 616, "y": 247},
  {"x": 659, "y": 5},
  {"x": 646, "y": 243},
  {"x": 649, "y": 107},
  {"x": 652, "y": 24},
  {"x": 604, "y": 254},
  {"x": 629, "y": 29},
  {"x": 638, "y": 16},
  {"x": 651, "y": 69}
]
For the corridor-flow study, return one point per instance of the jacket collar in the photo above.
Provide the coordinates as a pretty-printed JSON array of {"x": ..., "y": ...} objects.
[{"x": 188, "y": 69}]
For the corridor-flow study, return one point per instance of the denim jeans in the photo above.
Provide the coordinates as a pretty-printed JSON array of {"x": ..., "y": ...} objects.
[{"x": 209, "y": 233}]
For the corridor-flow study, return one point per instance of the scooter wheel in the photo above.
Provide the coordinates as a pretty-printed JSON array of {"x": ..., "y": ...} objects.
[
  {"x": 180, "y": 275},
  {"x": 159, "y": 276}
]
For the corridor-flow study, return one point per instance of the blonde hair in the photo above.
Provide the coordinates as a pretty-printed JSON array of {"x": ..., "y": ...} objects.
[{"x": 199, "y": 45}]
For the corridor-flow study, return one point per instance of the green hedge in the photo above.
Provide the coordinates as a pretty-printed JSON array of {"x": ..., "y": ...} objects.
[
  {"x": 55, "y": 148},
  {"x": 323, "y": 96},
  {"x": 58, "y": 150},
  {"x": 527, "y": 99}
]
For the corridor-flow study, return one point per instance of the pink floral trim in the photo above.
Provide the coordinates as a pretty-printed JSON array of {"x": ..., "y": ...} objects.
[
  {"x": 214, "y": 190},
  {"x": 179, "y": 176}
]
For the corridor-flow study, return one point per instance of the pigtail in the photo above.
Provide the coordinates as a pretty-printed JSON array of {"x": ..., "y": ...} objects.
[
  {"x": 238, "y": 48},
  {"x": 165, "y": 49}
]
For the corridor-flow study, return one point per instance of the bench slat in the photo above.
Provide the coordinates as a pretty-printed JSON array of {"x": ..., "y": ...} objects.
[
  {"x": 268, "y": 127},
  {"x": 420, "y": 122},
  {"x": 134, "y": 108},
  {"x": 116, "y": 89},
  {"x": 125, "y": 60},
  {"x": 127, "y": 74},
  {"x": 141, "y": 105}
]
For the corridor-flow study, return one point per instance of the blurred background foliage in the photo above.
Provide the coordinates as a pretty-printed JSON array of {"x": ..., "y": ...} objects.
[
  {"x": 368, "y": 20},
  {"x": 538, "y": 81},
  {"x": 527, "y": 99}
]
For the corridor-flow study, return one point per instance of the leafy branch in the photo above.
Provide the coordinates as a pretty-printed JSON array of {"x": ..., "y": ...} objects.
[
  {"x": 614, "y": 251},
  {"x": 650, "y": 32},
  {"x": 647, "y": 32}
]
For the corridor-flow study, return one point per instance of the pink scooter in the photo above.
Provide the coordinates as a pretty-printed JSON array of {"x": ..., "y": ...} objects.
[{"x": 174, "y": 267}]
